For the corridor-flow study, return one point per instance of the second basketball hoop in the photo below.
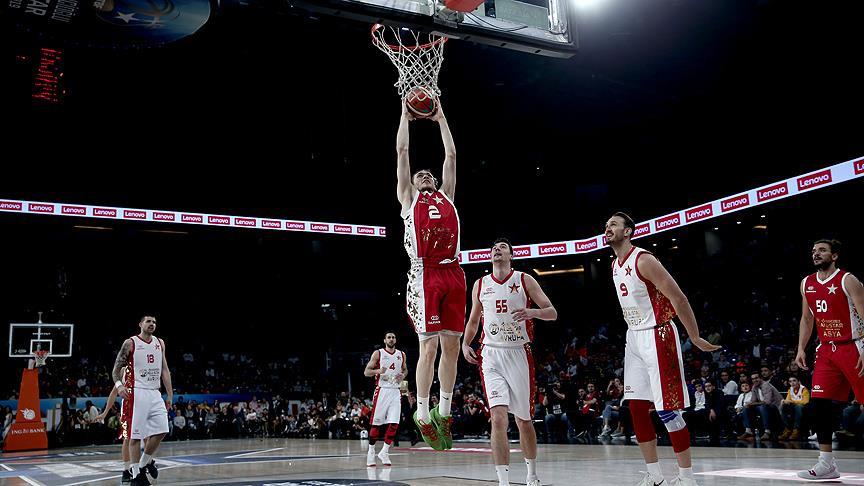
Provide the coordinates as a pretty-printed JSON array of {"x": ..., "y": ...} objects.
[{"x": 418, "y": 57}]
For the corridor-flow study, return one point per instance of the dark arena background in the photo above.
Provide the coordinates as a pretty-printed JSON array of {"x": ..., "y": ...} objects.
[{"x": 228, "y": 168}]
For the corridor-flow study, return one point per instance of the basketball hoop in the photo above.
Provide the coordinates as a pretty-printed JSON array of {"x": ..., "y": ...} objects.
[
  {"x": 40, "y": 356},
  {"x": 417, "y": 55}
]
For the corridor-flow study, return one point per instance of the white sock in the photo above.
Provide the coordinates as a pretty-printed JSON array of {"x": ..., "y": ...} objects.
[
  {"x": 145, "y": 459},
  {"x": 686, "y": 472},
  {"x": 748, "y": 430},
  {"x": 386, "y": 448},
  {"x": 127, "y": 465},
  {"x": 372, "y": 448},
  {"x": 423, "y": 409},
  {"x": 503, "y": 475},
  {"x": 444, "y": 406},
  {"x": 826, "y": 456},
  {"x": 532, "y": 469},
  {"x": 654, "y": 470},
  {"x": 135, "y": 470}
]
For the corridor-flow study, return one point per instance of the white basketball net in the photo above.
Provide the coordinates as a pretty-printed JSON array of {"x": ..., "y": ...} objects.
[
  {"x": 40, "y": 357},
  {"x": 417, "y": 55}
]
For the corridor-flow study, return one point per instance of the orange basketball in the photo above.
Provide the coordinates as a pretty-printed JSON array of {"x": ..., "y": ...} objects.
[{"x": 421, "y": 102}]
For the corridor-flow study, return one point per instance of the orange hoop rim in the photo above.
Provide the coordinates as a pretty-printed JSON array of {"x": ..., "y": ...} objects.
[{"x": 399, "y": 48}]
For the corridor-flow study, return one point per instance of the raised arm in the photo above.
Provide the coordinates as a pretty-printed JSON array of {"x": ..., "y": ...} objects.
[
  {"x": 404, "y": 187},
  {"x": 805, "y": 330},
  {"x": 166, "y": 376},
  {"x": 651, "y": 269},
  {"x": 448, "y": 173},
  {"x": 472, "y": 325}
]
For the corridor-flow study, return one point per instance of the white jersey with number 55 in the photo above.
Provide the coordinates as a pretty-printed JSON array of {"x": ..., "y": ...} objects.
[{"x": 499, "y": 299}]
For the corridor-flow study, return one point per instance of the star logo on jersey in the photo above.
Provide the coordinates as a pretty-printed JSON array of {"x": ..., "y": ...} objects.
[
  {"x": 438, "y": 199},
  {"x": 832, "y": 289},
  {"x": 514, "y": 289},
  {"x": 628, "y": 270}
]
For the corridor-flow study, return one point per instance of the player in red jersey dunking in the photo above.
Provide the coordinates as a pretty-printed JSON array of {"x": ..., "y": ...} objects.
[
  {"x": 653, "y": 367},
  {"x": 436, "y": 284},
  {"x": 834, "y": 300}
]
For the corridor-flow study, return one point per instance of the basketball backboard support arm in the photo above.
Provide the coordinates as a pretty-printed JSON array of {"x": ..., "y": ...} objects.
[{"x": 518, "y": 26}]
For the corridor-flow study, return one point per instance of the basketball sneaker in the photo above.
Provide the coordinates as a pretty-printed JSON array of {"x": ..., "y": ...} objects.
[
  {"x": 533, "y": 482},
  {"x": 151, "y": 469},
  {"x": 141, "y": 479},
  {"x": 385, "y": 458},
  {"x": 429, "y": 434},
  {"x": 444, "y": 426},
  {"x": 127, "y": 477},
  {"x": 679, "y": 481},
  {"x": 370, "y": 458},
  {"x": 649, "y": 480},
  {"x": 822, "y": 470}
]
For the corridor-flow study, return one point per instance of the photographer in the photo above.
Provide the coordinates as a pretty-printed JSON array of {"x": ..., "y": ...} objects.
[{"x": 556, "y": 418}]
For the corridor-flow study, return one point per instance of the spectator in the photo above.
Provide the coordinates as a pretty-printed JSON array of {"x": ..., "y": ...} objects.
[
  {"x": 556, "y": 418},
  {"x": 766, "y": 404},
  {"x": 179, "y": 424},
  {"x": 770, "y": 376},
  {"x": 742, "y": 417},
  {"x": 728, "y": 385},
  {"x": 792, "y": 408},
  {"x": 853, "y": 420},
  {"x": 611, "y": 410}
]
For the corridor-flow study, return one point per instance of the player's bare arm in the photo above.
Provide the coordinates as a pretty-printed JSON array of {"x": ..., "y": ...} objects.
[
  {"x": 471, "y": 326},
  {"x": 119, "y": 363},
  {"x": 651, "y": 268},
  {"x": 112, "y": 397},
  {"x": 856, "y": 294},
  {"x": 805, "y": 330},
  {"x": 372, "y": 367},
  {"x": 402, "y": 374},
  {"x": 404, "y": 188},
  {"x": 545, "y": 311},
  {"x": 448, "y": 173},
  {"x": 166, "y": 376}
]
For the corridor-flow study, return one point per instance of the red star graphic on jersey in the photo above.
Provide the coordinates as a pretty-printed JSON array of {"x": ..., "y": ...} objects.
[
  {"x": 628, "y": 270},
  {"x": 514, "y": 288}
]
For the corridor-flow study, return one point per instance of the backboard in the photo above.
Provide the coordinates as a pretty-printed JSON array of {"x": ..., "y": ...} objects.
[
  {"x": 26, "y": 339},
  {"x": 543, "y": 27}
]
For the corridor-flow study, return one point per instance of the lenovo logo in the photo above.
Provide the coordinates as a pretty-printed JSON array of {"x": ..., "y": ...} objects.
[
  {"x": 131, "y": 214},
  {"x": 476, "y": 256},
  {"x": 269, "y": 223},
  {"x": 244, "y": 222},
  {"x": 702, "y": 212},
  {"x": 814, "y": 180},
  {"x": 859, "y": 166},
  {"x": 667, "y": 222},
  {"x": 105, "y": 212},
  {"x": 294, "y": 225},
  {"x": 554, "y": 249},
  {"x": 521, "y": 252},
  {"x": 772, "y": 192},
  {"x": 736, "y": 202},
  {"x": 641, "y": 229},
  {"x": 341, "y": 228},
  {"x": 40, "y": 208},
  {"x": 160, "y": 216},
  {"x": 586, "y": 245},
  {"x": 319, "y": 227},
  {"x": 191, "y": 218},
  {"x": 76, "y": 210},
  {"x": 11, "y": 206},
  {"x": 218, "y": 220},
  {"x": 365, "y": 230}
]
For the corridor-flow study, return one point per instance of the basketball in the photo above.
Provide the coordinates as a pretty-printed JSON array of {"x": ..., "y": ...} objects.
[{"x": 421, "y": 102}]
